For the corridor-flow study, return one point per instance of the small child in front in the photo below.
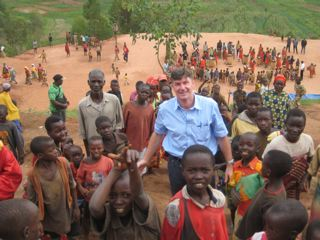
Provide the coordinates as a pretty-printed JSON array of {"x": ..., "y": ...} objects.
[
  {"x": 120, "y": 209},
  {"x": 275, "y": 165},
  {"x": 246, "y": 179},
  {"x": 284, "y": 221},
  {"x": 196, "y": 211},
  {"x": 299, "y": 146},
  {"x": 90, "y": 175},
  {"x": 19, "y": 220},
  {"x": 52, "y": 187},
  {"x": 93, "y": 169},
  {"x": 113, "y": 142}
]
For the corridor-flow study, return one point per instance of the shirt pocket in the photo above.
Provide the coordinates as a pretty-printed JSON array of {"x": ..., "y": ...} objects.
[{"x": 201, "y": 132}]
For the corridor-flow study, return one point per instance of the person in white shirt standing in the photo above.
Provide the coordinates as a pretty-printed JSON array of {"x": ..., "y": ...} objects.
[{"x": 302, "y": 67}]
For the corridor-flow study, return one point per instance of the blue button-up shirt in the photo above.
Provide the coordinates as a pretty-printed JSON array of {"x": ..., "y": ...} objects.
[{"x": 201, "y": 124}]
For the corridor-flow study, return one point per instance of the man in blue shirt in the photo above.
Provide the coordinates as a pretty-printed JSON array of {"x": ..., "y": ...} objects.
[{"x": 183, "y": 121}]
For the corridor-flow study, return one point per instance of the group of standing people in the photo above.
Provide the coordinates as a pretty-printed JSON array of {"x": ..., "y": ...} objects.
[{"x": 264, "y": 167}]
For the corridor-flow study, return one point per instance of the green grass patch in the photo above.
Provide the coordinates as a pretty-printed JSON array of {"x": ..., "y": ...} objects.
[{"x": 309, "y": 102}]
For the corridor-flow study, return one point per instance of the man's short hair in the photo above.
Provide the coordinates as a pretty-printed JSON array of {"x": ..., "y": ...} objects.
[
  {"x": 95, "y": 72},
  {"x": 180, "y": 72}
]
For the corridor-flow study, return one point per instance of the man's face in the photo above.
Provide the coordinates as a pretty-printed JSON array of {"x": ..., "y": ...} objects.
[
  {"x": 183, "y": 88},
  {"x": 59, "y": 82},
  {"x": 96, "y": 83}
]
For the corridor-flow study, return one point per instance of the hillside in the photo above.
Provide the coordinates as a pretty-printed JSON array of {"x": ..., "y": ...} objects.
[{"x": 275, "y": 17}]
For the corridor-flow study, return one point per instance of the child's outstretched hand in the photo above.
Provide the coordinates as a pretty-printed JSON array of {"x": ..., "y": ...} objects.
[{"x": 120, "y": 160}]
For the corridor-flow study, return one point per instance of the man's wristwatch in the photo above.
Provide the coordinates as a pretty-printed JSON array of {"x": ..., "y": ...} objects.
[{"x": 231, "y": 161}]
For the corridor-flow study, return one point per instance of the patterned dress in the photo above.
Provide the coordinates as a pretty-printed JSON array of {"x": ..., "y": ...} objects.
[{"x": 279, "y": 105}]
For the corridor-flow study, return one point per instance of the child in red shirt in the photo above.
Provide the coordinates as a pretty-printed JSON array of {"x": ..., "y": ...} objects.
[
  {"x": 196, "y": 211},
  {"x": 90, "y": 174}
]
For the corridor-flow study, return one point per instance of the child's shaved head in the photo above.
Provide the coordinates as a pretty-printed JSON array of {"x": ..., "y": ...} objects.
[
  {"x": 285, "y": 220},
  {"x": 19, "y": 219}
]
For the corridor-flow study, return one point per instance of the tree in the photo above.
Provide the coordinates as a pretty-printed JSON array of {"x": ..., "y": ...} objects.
[
  {"x": 94, "y": 22},
  {"x": 165, "y": 23}
]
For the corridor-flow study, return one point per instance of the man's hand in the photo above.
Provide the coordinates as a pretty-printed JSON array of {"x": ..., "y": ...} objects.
[
  {"x": 142, "y": 164},
  {"x": 229, "y": 172}
]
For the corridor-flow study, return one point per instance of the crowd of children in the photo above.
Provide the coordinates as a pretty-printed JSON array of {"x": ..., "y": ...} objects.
[{"x": 71, "y": 194}]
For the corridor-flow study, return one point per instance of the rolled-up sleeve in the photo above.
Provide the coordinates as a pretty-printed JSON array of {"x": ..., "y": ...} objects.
[{"x": 159, "y": 126}]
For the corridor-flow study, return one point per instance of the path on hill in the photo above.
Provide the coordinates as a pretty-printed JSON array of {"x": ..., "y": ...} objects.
[{"x": 142, "y": 63}]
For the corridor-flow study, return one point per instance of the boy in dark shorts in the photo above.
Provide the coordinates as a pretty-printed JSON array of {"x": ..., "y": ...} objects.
[
  {"x": 113, "y": 142},
  {"x": 19, "y": 220},
  {"x": 129, "y": 208},
  {"x": 196, "y": 211},
  {"x": 284, "y": 221},
  {"x": 52, "y": 187},
  {"x": 276, "y": 164}
]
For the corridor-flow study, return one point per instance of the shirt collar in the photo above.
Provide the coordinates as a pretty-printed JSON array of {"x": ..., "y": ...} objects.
[
  {"x": 196, "y": 104},
  {"x": 90, "y": 102},
  {"x": 213, "y": 199},
  {"x": 251, "y": 165}
]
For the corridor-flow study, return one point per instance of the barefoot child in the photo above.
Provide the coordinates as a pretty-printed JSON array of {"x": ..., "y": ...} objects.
[
  {"x": 121, "y": 201},
  {"x": 196, "y": 211},
  {"x": 113, "y": 142},
  {"x": 90, "y": 175},
  {"x": 246, "y": 121},
  {"x": 299, "y": 146},
  {"x": 52, "y": 187},
  {"x": 284, "y": 221},
  {"x": 276, "y": 164},
  {"x": 19, "y": 220},
  {"x": 246, "y": 179}
]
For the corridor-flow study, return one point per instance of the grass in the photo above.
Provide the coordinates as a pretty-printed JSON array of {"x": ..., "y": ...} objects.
[
  {"x": 289, "y": 17},
  {"x": 309, "y": 102},
  {"x": 71, "y": 113}
]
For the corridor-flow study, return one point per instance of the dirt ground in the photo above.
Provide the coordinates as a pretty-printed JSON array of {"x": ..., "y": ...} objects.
[
  {"x": 142, "y": 63},
  {"x": 33, "y": 100}
]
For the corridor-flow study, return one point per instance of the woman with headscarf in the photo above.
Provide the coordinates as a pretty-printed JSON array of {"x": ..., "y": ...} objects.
[{"x": 277, "y": 101}]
